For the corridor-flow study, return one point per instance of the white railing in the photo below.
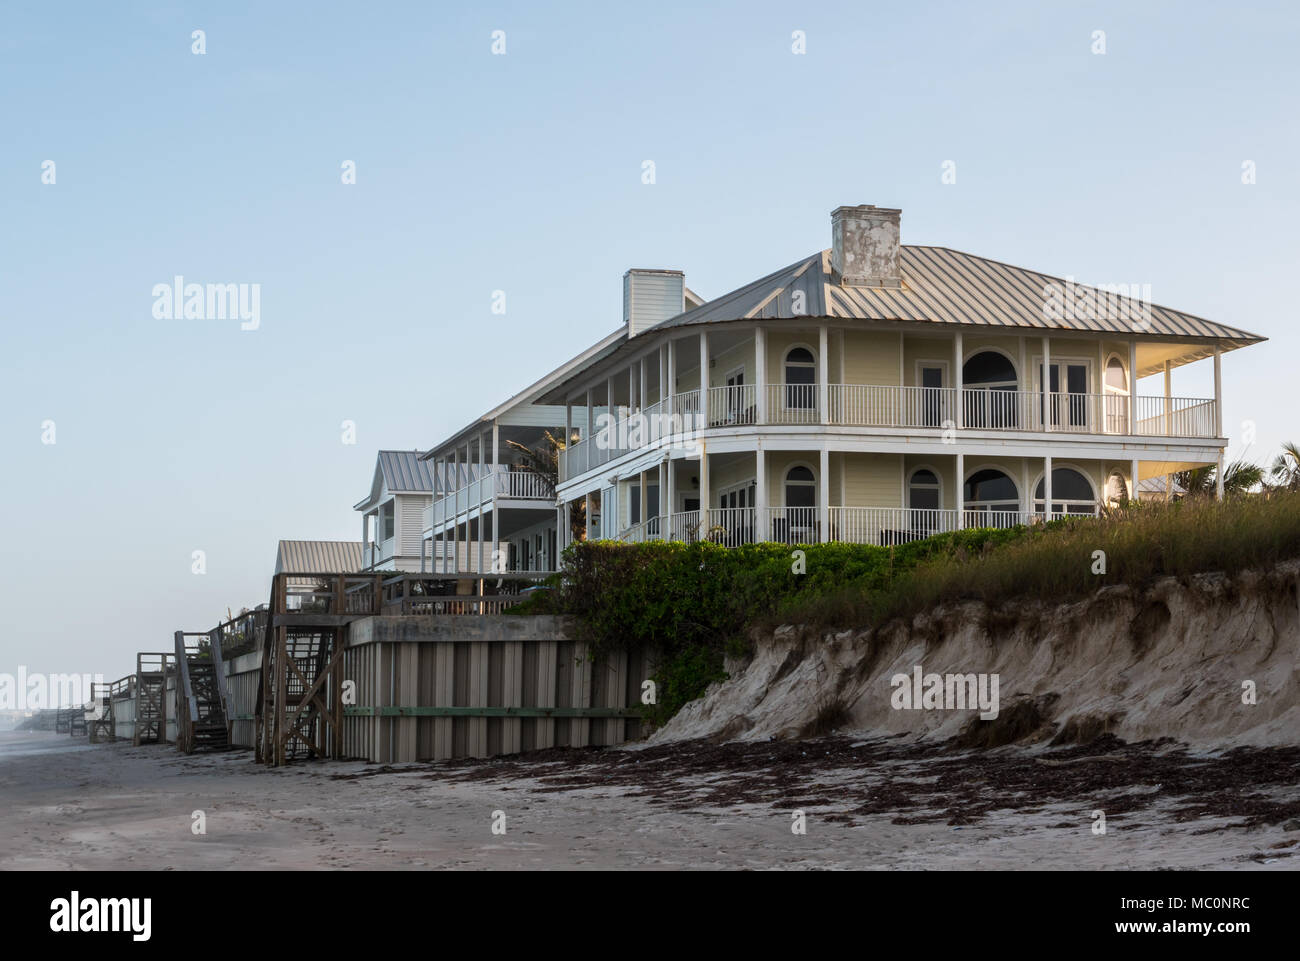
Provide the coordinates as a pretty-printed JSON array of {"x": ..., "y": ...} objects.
[
  {"x": 733, "y": 406},
  {"x": 523, "y": 485},
  {"x": 1176, "y": 417},
  {"x": 859, "y": 405},
  {"x": 793, "y": 404},
  {"x": 790, "y": 525},
  {"x": 732, "y": 526}
]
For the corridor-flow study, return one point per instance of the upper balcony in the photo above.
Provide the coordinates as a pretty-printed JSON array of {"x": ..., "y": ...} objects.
[
  {"x": 875, "y": 406},
  {"x": 501, "y": 484}
]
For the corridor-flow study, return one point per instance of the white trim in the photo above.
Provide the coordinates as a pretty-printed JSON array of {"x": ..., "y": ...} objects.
[
  {"x": 816, "y": 481},
  {"x": 975, "y": 352},
  {"x": 1062, "y": 465}
]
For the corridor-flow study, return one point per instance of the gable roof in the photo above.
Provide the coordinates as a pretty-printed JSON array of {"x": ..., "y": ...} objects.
[
  {"x": 945, "y": 286},
  {"x": 318, "y": 557}
]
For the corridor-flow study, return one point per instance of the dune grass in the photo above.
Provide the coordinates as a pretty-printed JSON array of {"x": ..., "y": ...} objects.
[{"x": 1060, "y": 561}]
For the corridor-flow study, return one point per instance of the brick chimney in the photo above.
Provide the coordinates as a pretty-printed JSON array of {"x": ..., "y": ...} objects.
[{"x": 864, "y": 245}]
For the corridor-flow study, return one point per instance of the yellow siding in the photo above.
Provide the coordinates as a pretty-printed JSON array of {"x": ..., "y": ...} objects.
[
  {"x": 871, "y": 480},
  {"x": 870, "y": 358}
]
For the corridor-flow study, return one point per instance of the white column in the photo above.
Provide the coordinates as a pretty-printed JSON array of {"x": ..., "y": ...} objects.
[
  {"x": 496, "y": 463},
  {"x": 669, "y": 494},
  {"x": 587, "y": 436},
  {"x": 641, "y": 385},
  {"x": 704, "y": 387},
  {"x": 454, "y": 567},
  {"x": 644, "y": 502},
  {"x": 1218, "y": 477},
  {"x": 1169, "y": 398},
  {"x": 671, "y": 385},
  {"x": 1218, "y": 393},
  {"x": 1133, "y": 479},
  {"x": 960, "y": 501},
  {"x": 1047, "y": 488},
  {"x": 823, "y": 372},
  {"x": 663, "y": 499},
  {"x": 492, "y": 486},
  {"x": 958, "y": 378},
  {"x": 1046, "y": 375},
  {"x": 760, "y": 372},
  {"x": 705, "y": 503},
  {"x": 824, "y": 494},
  {"x": 1132, "y": 386}
]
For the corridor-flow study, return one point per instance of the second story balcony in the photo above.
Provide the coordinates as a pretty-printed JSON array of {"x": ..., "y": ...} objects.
[{"x": 867, "y": 406}]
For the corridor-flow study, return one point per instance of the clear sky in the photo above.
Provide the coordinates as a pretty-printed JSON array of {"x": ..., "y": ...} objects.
[{"x": 478, "y": 172}]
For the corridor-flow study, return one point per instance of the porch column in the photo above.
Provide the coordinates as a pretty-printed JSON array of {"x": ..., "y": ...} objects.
[
  {"x": 663, "y": 497},
  {"x": 455, "y": 516},
  {"x": 645, "y": 516},
  {"x": 958, "y": 379},
  {"x": 640, "y": 382},
  {"x": 1132, "y": 386},
  {"x": 670, "y": 499},
  {"x": 496, "y": 464},
  {"x": 760, "y": 492},
  {"x": 823, "y": 371},
  {"x": 632, "y": 394},
  {"x": 1218, "y": 393},
  {"x": 492, "y": 486},
  {"x": 1045, "y": 375},
  {"x": 704, "y": 488},
  {"x": 586, "y": 513},
  {"x": 704, "y": 389},
  {"x": 586, "y": 436},
  {"x": 960, "y": 501},
  {"x": 1047, "y": 489},
  {"x": 824, "y": 489},
  {"x": 760, "y": 373},
  {"x": 560, "y": 527},
  {"x": 1169, "y": 424},
  {"x": 1133, "y": 479},
  {"x": 671, "y": 386},
  {"x": 611, "y": 438},
  {"x": 1218, "y": 476}
]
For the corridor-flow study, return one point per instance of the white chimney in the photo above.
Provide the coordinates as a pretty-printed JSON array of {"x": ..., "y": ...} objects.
[
  {"x": 651, "y": 297},
  {"x": 864, "y": 245}
]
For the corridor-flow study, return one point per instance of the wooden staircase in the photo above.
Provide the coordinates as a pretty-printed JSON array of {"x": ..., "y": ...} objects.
[{"x": 202, "y": 721}]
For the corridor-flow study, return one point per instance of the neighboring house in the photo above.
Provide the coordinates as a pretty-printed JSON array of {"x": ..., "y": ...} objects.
[
  {"x": 391, "y": 516},
  {"x": 872, "y": 392}
]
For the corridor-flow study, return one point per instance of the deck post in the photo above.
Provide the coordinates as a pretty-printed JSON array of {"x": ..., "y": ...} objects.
[
  {"x": 958, "y": 379},
  {"x": 1132, "y": 386},
  {"x": 823, "y": 373},
  {"x": 824, "y": 494},
  {"x": 760, "y": 373},
  {"x": 960, "y": 494},
  {"x": 1046, "y": 377}
]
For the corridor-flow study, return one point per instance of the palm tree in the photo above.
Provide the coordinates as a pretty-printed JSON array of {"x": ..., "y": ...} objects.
[
  {"x": 1286, "y": 468},
  {"x": 544, "y": 462},
  {"x": 1239, "y": 477}
]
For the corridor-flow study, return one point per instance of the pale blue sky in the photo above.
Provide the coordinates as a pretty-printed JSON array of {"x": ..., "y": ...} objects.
[{"x": 523, "y": 173}]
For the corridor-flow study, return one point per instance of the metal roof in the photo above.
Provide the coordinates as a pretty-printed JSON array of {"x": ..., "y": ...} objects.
[
  {"x": 318, "y": 557},
  {"x": 944, "y": 286},
  {"x": 404, "y": 472}
]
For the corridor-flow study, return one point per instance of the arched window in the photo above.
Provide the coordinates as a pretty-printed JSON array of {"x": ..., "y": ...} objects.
[
  {"x": 800, "y": 379},
  {"x": 923, "y": 491},
  {"x": 1072, "y": 493},
  {"x": 992, "y": 499},
  {"x": 990, "y": 380},
  {"x": 800, "y": 487}
]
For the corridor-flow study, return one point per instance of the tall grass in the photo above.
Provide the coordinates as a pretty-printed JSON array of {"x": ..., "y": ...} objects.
[{"x": 1057, "y": 561}]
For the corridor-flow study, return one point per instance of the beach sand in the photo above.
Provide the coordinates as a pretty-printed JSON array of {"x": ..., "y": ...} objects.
[{"x": 65, "y": 804}]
